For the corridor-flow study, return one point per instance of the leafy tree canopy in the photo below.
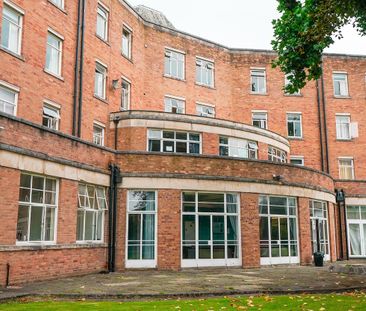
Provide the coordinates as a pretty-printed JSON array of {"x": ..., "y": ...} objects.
[{"x": 305, "y": 29}]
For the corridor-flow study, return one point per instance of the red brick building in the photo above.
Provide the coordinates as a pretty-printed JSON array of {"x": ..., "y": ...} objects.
[{"x": 126, "y": 143}]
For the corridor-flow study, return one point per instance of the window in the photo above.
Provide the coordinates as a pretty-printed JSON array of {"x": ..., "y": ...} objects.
[
  {"x": 141, "y": 229},
  {"x": 54, "y": 54},
  {"x": 51, "y": 117},
  {"x": 340, "y": 83},
  {"x": 343, "y": 125},
  {"x": 294, "y": 126},
  {"x": 58, "y": 3},
  {"x": 91, "y": 209},
  {"x": 102, "y": 22},
  {"x": 38, "y": 197},
  {"x": 278, "y": 230},
  {"x": 297, "y": 160},
  {"x": 174, "y": 105},
  {"x": 205, "y": 110},
  {"x": 319, "y": 227},
  {"x": 346, "y": 169},
  {"x": 205, "y": 72},
  {"x": 287, "y": 82},
  {"x": 11, "y": 33},
  {"x": 126, "y": 42},
  {"x": 356, "y": 222},
  {"x": 236, "y": 147},
  {"x": 100, "y": 80},
  {"x": 98, "y": 134},
  {"x": 276, "y": 155},
  {"x": 8, "y": 99},
  {"x": 259, "y": 119},
  {"x": 210, "y": 229},
  {"x": 174, "y": 142},
  {"x": 126, "y": 95},
  {"x": 258, "y": 81},
  {"x": 174, "y": 64}
]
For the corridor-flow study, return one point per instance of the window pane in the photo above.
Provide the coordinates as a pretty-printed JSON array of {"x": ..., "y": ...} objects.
[
  {"x": 134, "y": 227},
  {"x": 22, "y": 226},
  {"x": 80, "y": 226},
  {"x": 36, "y": 223},
  {"x": 89, "y": 226},
  {"x": 49, "y": 224},
  {"x": 353, "y": 212}
]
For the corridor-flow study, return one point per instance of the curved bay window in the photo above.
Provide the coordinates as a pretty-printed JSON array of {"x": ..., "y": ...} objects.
[
  {"x": 210, "y": 229},
  {"x": 278, "y": 230},
  {"x": 240, "y": 148}
]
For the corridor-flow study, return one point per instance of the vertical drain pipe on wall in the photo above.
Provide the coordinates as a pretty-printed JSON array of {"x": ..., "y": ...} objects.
[
  {"x": 320, "y": 126},
  {"x": 81, "y": 71},
  {"x": 325, "y": 122},
  {"x": 115, "y": 179},
  {"x": 76, "y": 72}
]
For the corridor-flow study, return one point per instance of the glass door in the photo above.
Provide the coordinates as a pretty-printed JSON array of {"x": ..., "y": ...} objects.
[
  {"x": 319, "y": 227},
  {"x": 278, "y": 230},
  {"x": 141, "y": 230},
  {"x": 210, "y": 233},
  {"x": 356, "y": 221}
]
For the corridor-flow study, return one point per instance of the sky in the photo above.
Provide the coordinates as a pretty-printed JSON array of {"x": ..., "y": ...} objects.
[{"x": 238, "y": 23}]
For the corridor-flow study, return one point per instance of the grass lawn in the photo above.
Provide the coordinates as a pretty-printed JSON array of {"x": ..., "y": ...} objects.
[{"x": 339, "y": 302}]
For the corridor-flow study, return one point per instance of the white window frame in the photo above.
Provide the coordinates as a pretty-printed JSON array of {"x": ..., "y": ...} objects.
[
  {"x": 200, "y": 110},
  {"x": 206, "y": 68},
  {"x": 351, "y": 166},
  {"x": 276, "y": 155},
  {"x": 44, "y": 206},
  {"x": 361, "y": 223},
  {"x": 170, "y": 54},
  {"x": 97, "y": 212},
  {"x": 21, "y": 13},
  {"x": 226, "y": 262},
  {"x": 142, "y": 263},
  {"x": 55, "y": 107},
  {"x": 125, "y": 95},
  {"x": 287, "y": 82},
  {"x": 257, "y": 73},
  {"x": 346, "y": 86},
  {"x": 152, "y": 135},
  {"x": 55, "y": 34},
  {"x": 101, "y": 126},
  {"x": 105, "y": 10},
  {"x": 101, "y": 69},
  {"x": 298, "y": 158},
  {"x": 341, "y": 132},
  {"x": 14, "y": 89},
  {"x": 288, "y": 114},
  {"x": 168, "y": 105},
  {"x": 128, "y": 30},
  {"x": 234, "y": 143},
  {"x": 61, "y": 6},
  {"x": 263, "y": 122}
]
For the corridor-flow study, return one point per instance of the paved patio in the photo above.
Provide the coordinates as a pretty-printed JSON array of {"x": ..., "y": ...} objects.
[{"x": 192, "y": 282}]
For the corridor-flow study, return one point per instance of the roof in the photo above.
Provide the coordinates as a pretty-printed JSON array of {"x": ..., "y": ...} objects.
[{"x": 153, "y": 16}]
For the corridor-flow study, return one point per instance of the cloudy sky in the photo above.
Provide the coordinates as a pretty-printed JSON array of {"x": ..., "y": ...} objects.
[{"x": 237, "y": 23}]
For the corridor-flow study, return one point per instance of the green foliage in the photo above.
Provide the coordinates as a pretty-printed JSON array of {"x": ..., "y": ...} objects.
[{"x": 305, "y": 29}]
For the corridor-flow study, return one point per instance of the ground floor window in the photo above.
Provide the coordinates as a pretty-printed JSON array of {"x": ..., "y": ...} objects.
[
  {"x": 356, "y": 221},
  {"x": 141, "y": 228},
  {"x": 91, "y": 209},
  {"x": 37, "y": 209},
  {"x": 210, "y": 229},
  {"x": 319, "y": 227},
  {"x": 278, "y": 230}
]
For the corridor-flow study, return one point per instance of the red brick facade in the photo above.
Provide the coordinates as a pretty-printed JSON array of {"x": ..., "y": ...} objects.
[{"x": 27, "y": 146}]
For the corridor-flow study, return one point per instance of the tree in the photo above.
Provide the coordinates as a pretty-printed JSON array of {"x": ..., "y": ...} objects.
[{"x": 305, "y": 29}]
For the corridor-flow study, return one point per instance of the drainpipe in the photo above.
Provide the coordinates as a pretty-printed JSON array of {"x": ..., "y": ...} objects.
[
  {"x": 81, "y": 72},
  {"x": 116, "y": 122},
  {"x": 325, "y": 122},
  {"x": 340, "y": 199},
  {"x": 76, "y": 68},
  {"x": 320, "y": 126},
  {"x": 115, "y": 179}
]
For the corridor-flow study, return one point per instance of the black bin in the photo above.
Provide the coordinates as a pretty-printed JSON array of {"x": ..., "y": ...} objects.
[{"x": 319, "y": 259}]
